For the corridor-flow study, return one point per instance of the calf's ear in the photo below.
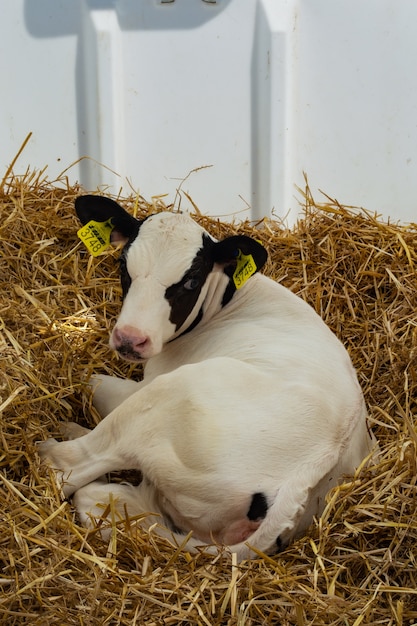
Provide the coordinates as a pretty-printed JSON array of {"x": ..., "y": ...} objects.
[
  {"x": 101, "y": 209},
  {"x": 227, "y": 251}
]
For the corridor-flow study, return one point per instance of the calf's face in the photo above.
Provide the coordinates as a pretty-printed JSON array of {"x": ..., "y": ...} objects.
[
  {"x": 171, "y": 270},
  {"x": 164, "y": 272}
]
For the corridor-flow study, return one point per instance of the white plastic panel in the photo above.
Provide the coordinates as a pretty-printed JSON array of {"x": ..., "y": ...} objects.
[
  {"x": 196, "y": 91},
  {"x": 260, "y": 90},
  {"x": 356, "y": 102}
]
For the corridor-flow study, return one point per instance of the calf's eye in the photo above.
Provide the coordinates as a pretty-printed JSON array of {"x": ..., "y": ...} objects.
[{"x": 191, "y": 284}]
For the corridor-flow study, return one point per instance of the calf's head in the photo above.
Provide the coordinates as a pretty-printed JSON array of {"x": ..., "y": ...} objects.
[{"x": 174, "y": 275}]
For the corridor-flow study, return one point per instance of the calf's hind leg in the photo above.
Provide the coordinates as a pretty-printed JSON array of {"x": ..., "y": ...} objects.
[
  {"x": 122, "y": 440},
  {"x": 80, "y": 461},
  {"x": 92, "y": 501}
]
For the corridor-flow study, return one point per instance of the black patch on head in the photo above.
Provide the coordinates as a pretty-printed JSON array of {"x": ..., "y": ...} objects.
[
  {"x": 193, "y": 324},
  {"x": 182, "y": 296},
  {"x": 125, "y": 279},
  {"x": 258, "y": 507},
  {"x": 278, "y": 544},
  {"x": 230, "y": 290}
]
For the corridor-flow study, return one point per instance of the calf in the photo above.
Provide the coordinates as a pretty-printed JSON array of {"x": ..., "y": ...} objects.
[{"x": 249, "y": 409}]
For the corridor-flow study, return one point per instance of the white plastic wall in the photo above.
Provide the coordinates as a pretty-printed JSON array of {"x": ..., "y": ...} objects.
[{"x": 259, "y": 90}]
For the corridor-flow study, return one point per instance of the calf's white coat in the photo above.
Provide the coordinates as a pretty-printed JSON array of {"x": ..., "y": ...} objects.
[{"x": 259, "y": 397}]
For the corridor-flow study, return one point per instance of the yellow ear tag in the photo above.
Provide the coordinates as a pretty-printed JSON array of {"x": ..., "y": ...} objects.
[
  {"x": 245, "y": 267},
  {"x": 96, "y": 236}
]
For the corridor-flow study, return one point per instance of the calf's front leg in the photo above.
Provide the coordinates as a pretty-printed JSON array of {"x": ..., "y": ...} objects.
[{"x": 109, "y": 392}]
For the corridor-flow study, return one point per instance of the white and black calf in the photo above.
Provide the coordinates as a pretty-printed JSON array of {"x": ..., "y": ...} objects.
[{"x": 249, "y": 410}]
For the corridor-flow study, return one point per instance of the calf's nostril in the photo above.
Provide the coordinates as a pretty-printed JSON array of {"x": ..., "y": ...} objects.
[
  {"x": 128, "y": 339},
  {"x": 140, "y": 342}
]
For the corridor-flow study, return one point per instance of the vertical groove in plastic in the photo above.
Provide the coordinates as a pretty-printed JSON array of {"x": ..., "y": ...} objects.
[{"x": 103, "y": 95}]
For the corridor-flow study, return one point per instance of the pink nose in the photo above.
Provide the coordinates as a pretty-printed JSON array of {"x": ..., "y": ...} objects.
[{"x": 129, "y": 339}]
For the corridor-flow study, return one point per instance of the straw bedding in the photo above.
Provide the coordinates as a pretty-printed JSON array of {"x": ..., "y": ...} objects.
[{"x": 358, "y": 565}]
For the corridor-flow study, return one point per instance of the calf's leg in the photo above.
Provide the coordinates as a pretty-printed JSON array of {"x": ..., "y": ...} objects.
[
  {"x": 109, "y": 392},
  {"x": 93, "y": 500},
  {"x": 80, "y": 461},
  {"x": 120, "y": 441}
]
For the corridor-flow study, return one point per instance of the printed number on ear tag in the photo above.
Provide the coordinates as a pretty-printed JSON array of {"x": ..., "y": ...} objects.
[
  {"x": 96, "y": 236},
  {"x": 245, "y": 267}
]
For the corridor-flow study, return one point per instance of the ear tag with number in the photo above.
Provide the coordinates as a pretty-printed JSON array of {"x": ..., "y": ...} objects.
[
  {"x": 96, "y": 236},
  {"x": 245, "y": 267}
]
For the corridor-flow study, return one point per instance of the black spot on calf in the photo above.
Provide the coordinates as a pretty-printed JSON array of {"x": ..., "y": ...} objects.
[
  {"x": 258, "y": 507},
  {"x": 182, "y": 296},
  {"x": 125, "y": 279}
]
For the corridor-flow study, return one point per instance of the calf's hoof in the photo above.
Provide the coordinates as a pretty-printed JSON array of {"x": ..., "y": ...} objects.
[{"x": 49, "y": 453}]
